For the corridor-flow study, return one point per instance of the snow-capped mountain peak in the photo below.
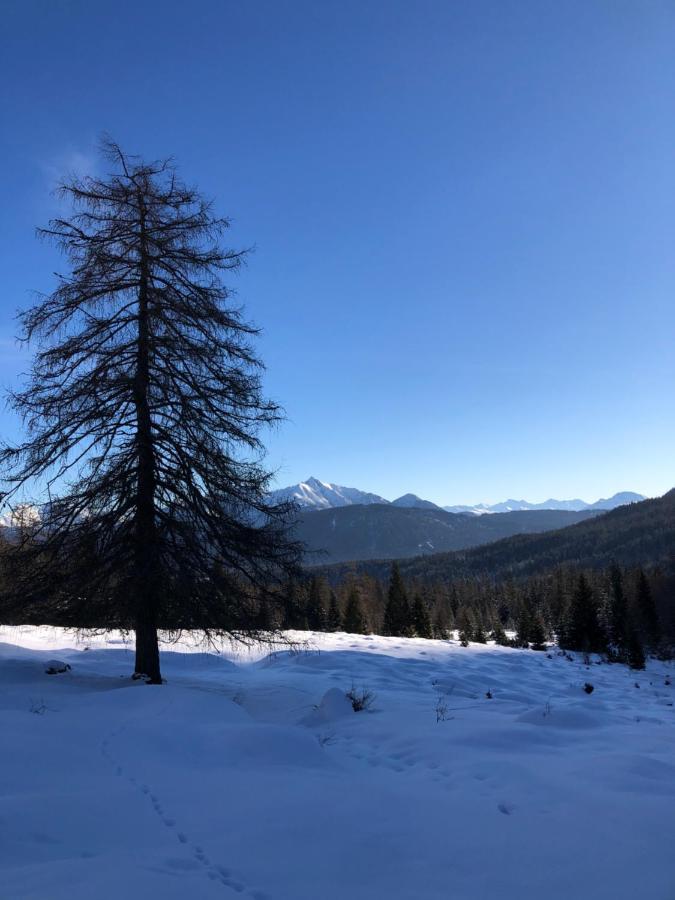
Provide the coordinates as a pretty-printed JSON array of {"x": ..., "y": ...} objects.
[
  {"x": 576, "y": 505},
  {"x": 316, "y": 494}
]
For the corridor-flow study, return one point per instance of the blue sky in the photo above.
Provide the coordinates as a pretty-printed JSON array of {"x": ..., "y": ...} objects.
[{"x": 463, "y": 213}]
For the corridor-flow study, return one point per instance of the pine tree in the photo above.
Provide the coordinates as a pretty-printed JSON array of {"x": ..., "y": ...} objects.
[
  {"x": 644, "y": 603},
  {"x": 582, "y": 629},
  {"x": 265, "y": 618},
  {"x": 441, "y": 625},
  {"x": 503, "y": 613},
  {"x": 537, "y": 634},
  {"x": 421, "y": 618},
  {"x": 454, "y": 602},
  {"x": 498, "y": 634},
  {"x": 354, "y": 620},
  {"x": 143, "y": 407},
  {"x": 466, "y": 624},
  {"x": 315, "y": 612},
  {"x": 397, "y": 616},
  {"x": 635, "y": 655},
  {"x": 479, "y": 635},
  {"x": 524, "y": 625},
  {"x": 618, "y": 615},
  {"x": 559, "y": 602},
  {"x": 295, "y": 614},
  {"x": 334, "y": 615}
]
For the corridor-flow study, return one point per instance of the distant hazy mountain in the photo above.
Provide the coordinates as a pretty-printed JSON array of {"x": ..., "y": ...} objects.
[
  {"x": 412, "y": 501},
  {"x": 385, "y": 531},
  {"x": 620, "y": 499},
  {"x": 315, "y": 494}
]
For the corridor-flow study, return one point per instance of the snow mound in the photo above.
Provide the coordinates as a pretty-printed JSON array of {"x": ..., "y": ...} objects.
[
  {"x": 56, "y": 667},
  {"x": 560, "y": 718},
  {"x": 334, "y": 705}
]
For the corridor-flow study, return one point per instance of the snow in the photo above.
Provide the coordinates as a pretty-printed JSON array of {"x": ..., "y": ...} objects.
[
  {"x": 620, "y": 499},
  {"x": 248, "y": 774},
  {"x": 315, "y": 494}
]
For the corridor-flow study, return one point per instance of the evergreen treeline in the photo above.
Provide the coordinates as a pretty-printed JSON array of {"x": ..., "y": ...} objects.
[{"x": 622, "y": 613}]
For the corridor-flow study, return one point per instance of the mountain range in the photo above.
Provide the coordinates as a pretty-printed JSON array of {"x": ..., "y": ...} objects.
[
  {"x": 314, "y": 494},
  {"x": 620, "y": 499},
  {"x": 637, "y": 534},
  {"x": 340, "y": 524}
]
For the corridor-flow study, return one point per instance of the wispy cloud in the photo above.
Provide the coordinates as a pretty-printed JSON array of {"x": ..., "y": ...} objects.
[
  {"x": 67, "y": 162},
  {"x": 54, "y": 168}
]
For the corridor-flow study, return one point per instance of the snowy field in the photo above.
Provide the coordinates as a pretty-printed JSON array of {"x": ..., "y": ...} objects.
[{"x": 250, "y": 775}]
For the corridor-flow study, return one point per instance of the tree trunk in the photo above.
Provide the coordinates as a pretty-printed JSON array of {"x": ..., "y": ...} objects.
[
  {"x": 147, "y": 652},
  {"x": 145, "y": 551}
]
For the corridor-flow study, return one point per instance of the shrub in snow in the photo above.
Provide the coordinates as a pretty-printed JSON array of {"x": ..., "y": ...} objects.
[
  {"x": 238, "y": 696},
  {"x": 441, "y": 709},
  {"x": 360, "y": 699},
  {"x": 589, "y": 688},
  {"x": 56, "y": 666}
]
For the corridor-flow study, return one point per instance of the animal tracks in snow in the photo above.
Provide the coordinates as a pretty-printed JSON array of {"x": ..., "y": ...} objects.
[
  {"x": 408, "y": 762},
  {"x": 198, "y": 859},
  {"x": 400, "y": 761}
]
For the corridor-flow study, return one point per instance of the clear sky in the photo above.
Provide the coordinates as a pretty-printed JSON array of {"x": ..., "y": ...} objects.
[{"x": 463, "y": 212}]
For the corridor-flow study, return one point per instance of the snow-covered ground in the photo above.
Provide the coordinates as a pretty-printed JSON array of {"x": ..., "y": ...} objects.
[{"x": 248, "y": 774}]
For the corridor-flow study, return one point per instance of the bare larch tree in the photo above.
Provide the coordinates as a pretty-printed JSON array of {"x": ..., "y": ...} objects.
[{"x": 143, "y": 412}]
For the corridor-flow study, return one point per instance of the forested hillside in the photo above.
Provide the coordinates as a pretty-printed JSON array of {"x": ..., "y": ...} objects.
[
  {"x": 379, "y": 531},
  {"x": 638, "y": 534},
  {"x": 604, "y": 585}
]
